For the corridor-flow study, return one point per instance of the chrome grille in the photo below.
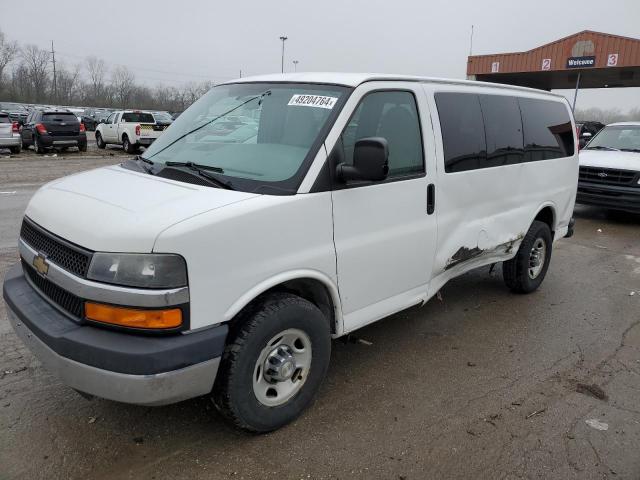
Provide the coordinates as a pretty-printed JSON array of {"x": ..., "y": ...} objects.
[
  {"x": 608, "y": 176},
  {"x": 72, "y": 258},
  {"x": 65, "y": 300}
]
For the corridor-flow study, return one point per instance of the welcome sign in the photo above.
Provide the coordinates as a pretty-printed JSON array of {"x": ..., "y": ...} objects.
[{"x": 581, "y": 62}]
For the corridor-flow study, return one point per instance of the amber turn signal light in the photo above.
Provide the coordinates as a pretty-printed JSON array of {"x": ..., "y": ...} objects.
[{"x": 131, "y": 317}]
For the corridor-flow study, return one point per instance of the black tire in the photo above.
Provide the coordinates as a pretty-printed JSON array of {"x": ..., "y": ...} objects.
[
  {"x": 82, "y": 147},
  {"x": 233, "y": 392},
  {"x": 99, "y": 142},
  {"x": 37, "y": 147},
  {"x": 16, "y": 150},
  {"x": 127, "y": 145},
  {"x": 517, "y": 271}
]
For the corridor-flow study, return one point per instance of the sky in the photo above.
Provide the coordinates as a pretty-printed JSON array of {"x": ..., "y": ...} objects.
[{"x": 173, "y": 42}]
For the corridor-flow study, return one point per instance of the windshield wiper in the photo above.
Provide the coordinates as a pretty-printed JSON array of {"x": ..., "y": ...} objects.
[
  {"x": 262, "y": 95},
  {"x": 602, "y": 147},
  {"x": 636, "y": 150},
  {"x": 201, "y": 171},
  {"x": 146, "y": 168},
  {"x": 191, "y": 164}
]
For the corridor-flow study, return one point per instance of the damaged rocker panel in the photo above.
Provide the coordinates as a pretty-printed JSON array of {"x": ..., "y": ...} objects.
[{"x": 464, "y": 254}]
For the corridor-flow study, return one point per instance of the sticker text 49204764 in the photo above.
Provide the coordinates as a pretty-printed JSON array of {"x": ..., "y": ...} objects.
[{"x": 317, "y": 101}]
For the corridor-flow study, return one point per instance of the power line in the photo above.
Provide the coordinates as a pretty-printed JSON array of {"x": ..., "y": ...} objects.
[{"x": 144, "y": 69}]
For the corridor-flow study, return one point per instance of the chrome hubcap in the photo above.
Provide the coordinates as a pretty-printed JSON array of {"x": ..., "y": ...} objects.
[
  {"x": 537, "y": 258},
  {"x": 282, "y": 367}
]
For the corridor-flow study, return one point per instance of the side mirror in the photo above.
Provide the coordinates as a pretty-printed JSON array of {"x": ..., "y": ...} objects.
[
  {"x": 586, "y": 135},
  {"x": 102, "y": 120},
  {"x": 370, "y": 161}
]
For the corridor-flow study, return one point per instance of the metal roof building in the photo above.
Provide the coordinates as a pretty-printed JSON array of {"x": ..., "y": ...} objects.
[{"x": 586, "y": 60}]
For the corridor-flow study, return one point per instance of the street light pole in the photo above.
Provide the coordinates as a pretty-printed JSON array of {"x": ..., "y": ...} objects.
[
  {"x": 283, "y": 38},
  {"x": 295, "y": 65}
]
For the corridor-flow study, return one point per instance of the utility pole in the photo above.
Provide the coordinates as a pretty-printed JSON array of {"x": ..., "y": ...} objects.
[
  {"x": 240, "y": 73},
  {"x": 295, "y": 65},
  {"x": 55, "y": 79},
  {"x": 283, "y": 38},
  {"x": 471, "y": 45}
]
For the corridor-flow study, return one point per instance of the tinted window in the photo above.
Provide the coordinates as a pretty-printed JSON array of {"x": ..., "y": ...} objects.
[
  {"x": 393, "y": 116},
  {"x": 4, "y": 119},
  {"x": 462, "y": 128},
  {"x": 138, "y": 117},
  {"x": 59, "y": 117},
  {"x": 503, "y": 130},
  {"x": 547, "y": 129}
]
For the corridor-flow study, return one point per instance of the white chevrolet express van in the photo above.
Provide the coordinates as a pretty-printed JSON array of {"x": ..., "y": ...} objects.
[{"x": 275, "y": 214}]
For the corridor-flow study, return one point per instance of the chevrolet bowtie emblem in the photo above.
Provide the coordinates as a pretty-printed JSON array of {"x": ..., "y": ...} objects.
[
  {"x": 40, "y": 264},
  {"x": 602, "y": 175}
]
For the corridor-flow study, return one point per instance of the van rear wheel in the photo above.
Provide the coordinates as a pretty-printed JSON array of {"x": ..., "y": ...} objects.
[
  {"x": 274, "y": 363},
  {"x": 525, "y": 272}
]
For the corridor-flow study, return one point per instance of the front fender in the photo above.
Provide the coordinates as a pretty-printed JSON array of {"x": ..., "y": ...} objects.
[{"x": 274, "y": 281}]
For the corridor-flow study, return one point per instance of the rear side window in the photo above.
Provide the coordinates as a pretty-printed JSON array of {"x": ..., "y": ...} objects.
[
  {"x": 547, "y": 129},
  {"x": 462, "y": 128},
  {"x": 392, "y": 115},
  {"x": 503, "y": 130},
  {"x": 4, "y": 119},
  {"x": 59, "y": 117},
  {"x": 134, "y": 117}
]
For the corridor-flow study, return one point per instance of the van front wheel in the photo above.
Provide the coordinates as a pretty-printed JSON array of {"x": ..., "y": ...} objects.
[
  {"x": 274, "y": 363},
  {"x": 525, "y": 272}
]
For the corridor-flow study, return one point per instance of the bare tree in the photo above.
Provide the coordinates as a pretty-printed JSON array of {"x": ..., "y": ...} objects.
[
  {"x": 123, "y": 83},
  {"x": 8, "y": 51},
  {"x": 36, "y": 62},
  {"x": 68, "y": 83},
  {"x": 97, "y": 70}
]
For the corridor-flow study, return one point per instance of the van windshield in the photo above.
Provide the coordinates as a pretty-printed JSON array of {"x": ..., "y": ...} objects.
[
  {"x": 617, "y": 137},
  {"x": 260, "y": 136}
]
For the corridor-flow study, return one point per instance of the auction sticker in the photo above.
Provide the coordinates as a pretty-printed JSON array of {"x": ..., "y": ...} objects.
[{"x": 317, "y": 101}]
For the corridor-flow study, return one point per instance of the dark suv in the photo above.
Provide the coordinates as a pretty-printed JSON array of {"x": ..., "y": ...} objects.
[{"x": 45, "y": 129}]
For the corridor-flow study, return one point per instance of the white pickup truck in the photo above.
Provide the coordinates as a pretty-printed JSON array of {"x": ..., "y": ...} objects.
[{"x": 130, "y": 128}]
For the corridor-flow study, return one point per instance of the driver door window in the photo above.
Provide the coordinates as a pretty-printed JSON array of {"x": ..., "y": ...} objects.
[{"x": 392, "y": 115}]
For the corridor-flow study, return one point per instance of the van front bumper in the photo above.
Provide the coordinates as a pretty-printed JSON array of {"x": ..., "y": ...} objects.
[{"x": 137, "y": 369}]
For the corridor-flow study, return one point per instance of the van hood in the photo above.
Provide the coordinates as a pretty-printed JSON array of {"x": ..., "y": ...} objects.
[
  {"x": 610, "y": 159},
  {"x": 119, "y": 210}
]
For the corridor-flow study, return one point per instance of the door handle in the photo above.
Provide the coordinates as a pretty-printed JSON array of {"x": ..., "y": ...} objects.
[{"x": 431, "y": 198}]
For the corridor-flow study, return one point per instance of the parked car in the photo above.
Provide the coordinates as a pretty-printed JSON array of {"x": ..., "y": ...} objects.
[
  {"x": 17, "y": 112},
  {"x": 587, "y": 130},
  {"x": 46, "y": 129},
  {"x": 130, "y": 128},
  {"x": 163, "y": 119},
  {"x": 223, "y": 261},
  {"x": 92, "y": 116},
  {"x": 610, "y": 168},
  {"x": 9, "y": 133}
]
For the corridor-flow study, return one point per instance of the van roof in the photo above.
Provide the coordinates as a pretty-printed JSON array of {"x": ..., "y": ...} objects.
[
  {"x": 355, "y": 79},
  {"x": 622, "y": 124}
]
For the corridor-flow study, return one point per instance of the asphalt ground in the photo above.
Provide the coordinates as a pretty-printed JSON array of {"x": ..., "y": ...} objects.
[{"x": 480, "y": 384}]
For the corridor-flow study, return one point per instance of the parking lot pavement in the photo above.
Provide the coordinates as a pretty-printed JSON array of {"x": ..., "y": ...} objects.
[{"x": 482, "y": 384}]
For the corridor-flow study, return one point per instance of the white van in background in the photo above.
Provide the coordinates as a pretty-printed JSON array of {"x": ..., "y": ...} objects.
[
  {"x": 610, "y": 168},
  {"x": 276, "y": 213}
]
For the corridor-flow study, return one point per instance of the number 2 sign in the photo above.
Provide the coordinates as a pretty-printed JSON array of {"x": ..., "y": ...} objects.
[{"x": 546, "y": 64}]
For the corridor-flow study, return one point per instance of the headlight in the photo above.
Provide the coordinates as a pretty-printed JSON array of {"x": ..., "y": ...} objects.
[{"x": 139, "y": 270}]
